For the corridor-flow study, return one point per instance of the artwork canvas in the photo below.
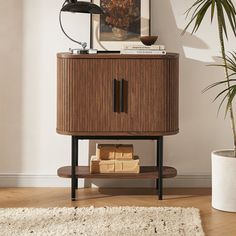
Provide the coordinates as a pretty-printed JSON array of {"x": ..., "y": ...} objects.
[{"x": 123, "y": 22}]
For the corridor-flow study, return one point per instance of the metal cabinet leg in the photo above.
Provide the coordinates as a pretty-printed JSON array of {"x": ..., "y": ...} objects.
[
  {"x": 74, "y": 163},
  {"x": 157, "y": 159},
  {"x": 77, "y": 162},
  {"x": 160, "y": 167}
]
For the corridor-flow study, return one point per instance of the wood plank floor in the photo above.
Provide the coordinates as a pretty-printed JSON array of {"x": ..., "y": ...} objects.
[{"x": 215, "y": 223}]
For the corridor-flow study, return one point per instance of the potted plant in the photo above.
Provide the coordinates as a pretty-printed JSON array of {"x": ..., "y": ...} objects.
[{"x": 223, "y": 161}]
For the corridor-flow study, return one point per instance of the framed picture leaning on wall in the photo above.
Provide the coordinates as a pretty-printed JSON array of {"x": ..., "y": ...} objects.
[{"x": 123, "y": 22}]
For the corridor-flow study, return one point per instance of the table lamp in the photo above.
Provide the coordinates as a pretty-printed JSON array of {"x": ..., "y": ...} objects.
[{"x": 75, "y": 6}]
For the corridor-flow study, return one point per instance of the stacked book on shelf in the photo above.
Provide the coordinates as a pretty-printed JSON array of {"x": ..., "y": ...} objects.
[
  {"x": 112, "y": 158},
  {"x": 142, "y": 49}
]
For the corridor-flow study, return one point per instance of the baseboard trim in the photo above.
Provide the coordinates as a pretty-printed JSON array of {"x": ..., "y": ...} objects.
[
  {"x": 189, "y": 181},
  {"x": 27, "y": 180}
]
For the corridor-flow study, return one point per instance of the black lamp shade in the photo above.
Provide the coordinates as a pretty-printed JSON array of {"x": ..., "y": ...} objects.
[{"x": 82, "y": 7}]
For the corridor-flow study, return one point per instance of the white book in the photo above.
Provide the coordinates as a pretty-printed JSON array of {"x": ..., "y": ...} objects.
[
  {"x": 138, "y": 47},
  {"x": 147, "y": 52}
]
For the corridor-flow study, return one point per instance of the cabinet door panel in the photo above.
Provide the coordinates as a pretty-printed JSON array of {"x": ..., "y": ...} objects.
[
  {"x": 152, "y": 95},
  {"x": 85, "y": 89}
]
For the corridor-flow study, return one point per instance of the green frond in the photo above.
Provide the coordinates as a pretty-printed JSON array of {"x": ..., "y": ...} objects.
[
  {"x": 228, "y": 92},
  {"x": 224, "y": 91},
  {"x": 225, "y": 11},
  {"x": 213, "y": 9},
  {"x": 217, "y": 84},
  {"x": 221, "y": 104},
  {"x": 231, "y": 97}
]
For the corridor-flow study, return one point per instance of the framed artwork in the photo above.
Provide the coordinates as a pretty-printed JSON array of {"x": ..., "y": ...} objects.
[{"x": 123, "y": 23}]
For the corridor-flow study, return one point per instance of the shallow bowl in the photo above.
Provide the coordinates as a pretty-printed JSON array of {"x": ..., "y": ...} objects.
[{"x": 148, "y": 40}]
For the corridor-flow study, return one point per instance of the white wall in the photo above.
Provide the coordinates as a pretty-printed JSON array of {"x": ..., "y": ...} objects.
[
  {"x": 30, "y": 149},
  {"x": 200, "y": 130}
]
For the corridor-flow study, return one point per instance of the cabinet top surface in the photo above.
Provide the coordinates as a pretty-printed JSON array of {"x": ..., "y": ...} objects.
[{"x": 67, "y": 55}]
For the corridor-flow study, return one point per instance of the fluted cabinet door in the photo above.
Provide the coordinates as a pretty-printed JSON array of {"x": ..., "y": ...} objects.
[
  {"x": 85, "y": 96},
  {"x": 151, "y": 99}
]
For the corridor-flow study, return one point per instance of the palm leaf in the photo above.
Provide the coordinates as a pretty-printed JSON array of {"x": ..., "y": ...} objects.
[
  {"x": 233, "y": 74},
  {"x": 231, "y": 97},
  {"x": 231, "y": 89},
  {"x": 221, "y": 19},
  {"x": 222, "y": 92},
  {"x": 198, "y": 4},
  {"x": 225, "y": 8},
  {"x": 201, "y": 7},
  {"x": 225, "y": 13},
  {"x": 231, "y": 14},
  {"x": 221, "y": 104},
  {"x": 217, "y": 84},
  {"x": 230, "y": 62},
  {"x": 212, "y": 9}
]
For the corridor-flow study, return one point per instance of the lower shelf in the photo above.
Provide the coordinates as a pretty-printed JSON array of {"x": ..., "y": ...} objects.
[{"x": 147, "y": 172}]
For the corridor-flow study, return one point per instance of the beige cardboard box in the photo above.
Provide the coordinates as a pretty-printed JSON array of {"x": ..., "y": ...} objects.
[
  {"x": 106, "y": 151},
  {"x": 114, "y": 152},
  {"x": 100, "y": 166},
  {"x": 127, "y": 166},
  {"x": 124, "y": 152},
  {"x": 114, "y": 166}
]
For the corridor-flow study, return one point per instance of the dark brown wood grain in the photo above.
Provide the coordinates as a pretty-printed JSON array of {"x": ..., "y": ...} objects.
[
  {"x": 85, "y": 95},
  {"x": 148, "y": 172}
]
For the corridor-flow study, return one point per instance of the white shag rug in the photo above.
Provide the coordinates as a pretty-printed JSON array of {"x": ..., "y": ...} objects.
[{"x": 106, "y": 221}]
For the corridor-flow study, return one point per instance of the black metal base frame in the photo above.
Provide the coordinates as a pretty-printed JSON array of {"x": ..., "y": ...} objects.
[{"x": 74, "y": 158}]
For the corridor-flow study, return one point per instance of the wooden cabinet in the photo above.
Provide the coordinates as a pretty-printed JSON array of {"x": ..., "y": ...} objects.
[
  {"x": 112, "y": 96},
  {"x": 144, "y": 100}
]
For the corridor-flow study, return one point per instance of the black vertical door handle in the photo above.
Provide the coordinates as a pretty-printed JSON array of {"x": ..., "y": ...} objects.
[
  {"x": 114, "y": 95},
  {"x": 122, "y": 85}
]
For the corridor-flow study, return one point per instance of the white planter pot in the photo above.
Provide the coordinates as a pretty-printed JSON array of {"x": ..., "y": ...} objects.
[{"x": 224, "y": 180}]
